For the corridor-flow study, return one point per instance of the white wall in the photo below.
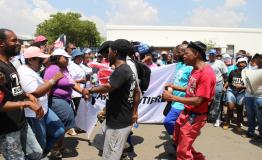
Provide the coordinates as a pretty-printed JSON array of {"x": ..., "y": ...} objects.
[{"x": 170, "y": 36}]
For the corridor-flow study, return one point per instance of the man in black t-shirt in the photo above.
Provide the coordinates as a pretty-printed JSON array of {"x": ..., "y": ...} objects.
[
  {"x": 12, "y": 103},
  {"x": 121, "y": 107}
]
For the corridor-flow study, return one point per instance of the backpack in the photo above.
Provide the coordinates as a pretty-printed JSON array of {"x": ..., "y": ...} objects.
[{"x": 144, "y": 74}]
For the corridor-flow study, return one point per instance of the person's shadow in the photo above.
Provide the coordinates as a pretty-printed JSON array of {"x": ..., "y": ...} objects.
[
  {"x": 254, "y": 142},
  {"x": 69, "y": 148},
  {"x": 98, "y": 142},
  {"x": 169, "y": 151}
]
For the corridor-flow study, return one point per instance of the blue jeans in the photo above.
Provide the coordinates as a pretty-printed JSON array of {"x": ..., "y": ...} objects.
[
  {"x": 235, "y": 97},
  {"x": 259, "y": 114},
  {"x": 251, "y": 114},
  {"x": 47, "y": 130},
  {"x": 30, "y": 146},
  {"x": 170, "y": 120},
  {"x": 214, "y": 113},
  {"x": 64, "y": 111}
]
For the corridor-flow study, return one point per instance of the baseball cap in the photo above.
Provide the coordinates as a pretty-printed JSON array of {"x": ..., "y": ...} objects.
[
  {"x": 143, "y": 48},
  {"x": 60, "y": 52},
  {"x": 225, "y": 56},
  {"x": 87, "y": 50},
  {"x": 200, "y": 47},
  {"x": 33, "y": 51},
  {"x": 76, "y": 52},
  {"x": 212, "y": 52},
  {"x": 40, "y": 38}
]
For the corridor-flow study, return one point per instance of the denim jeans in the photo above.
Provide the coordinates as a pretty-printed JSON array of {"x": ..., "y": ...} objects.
[
  {"x": 259, "y": 114},
  {"x": 251, "y": 114},
  {"x": 30, "y": 146},
  {"x": 47, "y": 130},
  {"x": 64, "y": 111},
  {"x": 215, "y": 109},
  {"x": 10, "y": 146}
]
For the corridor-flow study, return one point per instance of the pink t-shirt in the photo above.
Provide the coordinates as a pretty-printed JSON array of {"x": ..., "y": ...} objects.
[
  {"x": 153, "y": 65},
  {"x": 201, "y": 83}
]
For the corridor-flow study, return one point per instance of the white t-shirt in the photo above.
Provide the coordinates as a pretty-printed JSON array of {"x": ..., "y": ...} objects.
[
  {"x": 219, "y": 68},
  {"x": 77, "y": 73},
  {"x": 30, "y": 81}
]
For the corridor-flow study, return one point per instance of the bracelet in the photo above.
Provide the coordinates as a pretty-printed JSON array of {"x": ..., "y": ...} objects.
[{"x": 52, "y": 81}]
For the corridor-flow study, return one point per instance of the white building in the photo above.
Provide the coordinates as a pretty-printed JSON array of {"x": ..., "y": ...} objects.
[{"x": 229, "y": 39}]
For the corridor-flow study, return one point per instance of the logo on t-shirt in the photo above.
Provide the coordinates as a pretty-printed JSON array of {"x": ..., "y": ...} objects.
[
  {"x": 16, "y": 88},
  {"x": 191, "y": 86},
  {"x": 132, "y": 88}
]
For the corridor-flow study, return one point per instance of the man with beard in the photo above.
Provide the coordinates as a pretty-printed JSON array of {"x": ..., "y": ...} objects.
[
  {"x": 182, "y": 73},
  {"x": 14, "y": 130},
  {"x": 121, "y": 107},
  {"x": 199, "y": 94}
]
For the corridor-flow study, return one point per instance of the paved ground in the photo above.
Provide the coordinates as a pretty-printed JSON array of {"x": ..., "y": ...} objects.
[{"x": 151, "y": 143}]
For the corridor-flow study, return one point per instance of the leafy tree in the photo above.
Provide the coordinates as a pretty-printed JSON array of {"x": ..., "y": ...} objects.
[
  {"x": 210, "y": 44},
  {"x": 83, "y": 33}
]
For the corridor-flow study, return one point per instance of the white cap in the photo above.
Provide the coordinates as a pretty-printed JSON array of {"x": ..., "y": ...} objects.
[
  {"x": 60, "y": 52},
  {"x": 226, "y": 56},
  {"x": 164, "y": 52},
  {"x": 242, "y": 60}
]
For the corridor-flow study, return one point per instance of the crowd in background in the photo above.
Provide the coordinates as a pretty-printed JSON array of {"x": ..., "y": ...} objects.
[{"x": 58, "y": 78}]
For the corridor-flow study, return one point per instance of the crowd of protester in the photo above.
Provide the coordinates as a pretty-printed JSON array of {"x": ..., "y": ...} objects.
[{"x": 41, "y": 87}]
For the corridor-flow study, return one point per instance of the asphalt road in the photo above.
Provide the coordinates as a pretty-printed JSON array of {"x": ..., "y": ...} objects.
[{"x": 152, "y": 143}]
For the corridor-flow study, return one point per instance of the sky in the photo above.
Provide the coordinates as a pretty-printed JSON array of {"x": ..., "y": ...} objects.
[{"x": 23, "y": 16}]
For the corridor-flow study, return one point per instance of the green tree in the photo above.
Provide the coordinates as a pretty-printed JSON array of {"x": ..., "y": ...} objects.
[
  {"x": 210, "y": 44},
  {"x": 81, "y": 32}
]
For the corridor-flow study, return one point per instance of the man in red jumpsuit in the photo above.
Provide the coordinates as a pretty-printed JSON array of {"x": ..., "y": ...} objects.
[{"x": 199, "y": 94}]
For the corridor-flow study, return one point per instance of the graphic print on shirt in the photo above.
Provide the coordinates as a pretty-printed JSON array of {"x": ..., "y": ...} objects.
[
  {"x": 132, "y": 88},
  {"x": 191, "y": 89},
  {"x": 15, "y": 86},
  {"x": 237, "y": 80}
]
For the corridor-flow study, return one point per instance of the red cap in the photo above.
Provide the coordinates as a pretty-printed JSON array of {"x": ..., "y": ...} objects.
[{"x": 40, "y": 38}]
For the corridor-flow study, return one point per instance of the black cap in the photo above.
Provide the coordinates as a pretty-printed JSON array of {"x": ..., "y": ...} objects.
[
  {"x": 104, "y": 46},
  {"x": 200, "y": 47},
  {"x": 122, "y": 46}
]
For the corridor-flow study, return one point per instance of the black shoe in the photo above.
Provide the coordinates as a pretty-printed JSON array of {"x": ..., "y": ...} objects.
[
  {"x": 248, "y": 135},
  {"x": 129, "y": 149},
  {"x": 100, "y": 153},
  {"x": 125, "y": 157}
]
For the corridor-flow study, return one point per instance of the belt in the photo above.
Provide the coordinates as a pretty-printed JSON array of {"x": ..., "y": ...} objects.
[{"x": 195, "y": 113}]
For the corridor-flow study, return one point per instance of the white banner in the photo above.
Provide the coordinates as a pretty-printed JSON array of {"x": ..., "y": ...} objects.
[{"x": 150, "y": 109}]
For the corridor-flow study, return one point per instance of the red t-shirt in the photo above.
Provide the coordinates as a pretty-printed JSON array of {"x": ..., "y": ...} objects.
[{"x": 202, "y": 83}]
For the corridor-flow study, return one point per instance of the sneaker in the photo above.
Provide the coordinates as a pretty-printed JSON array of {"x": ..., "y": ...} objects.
[
  {"x": 100, "y": 153},
  {"x": 71, "y": 132},
  {"x": 56, "y": 154},
  {"x": 217, "y": 124}
]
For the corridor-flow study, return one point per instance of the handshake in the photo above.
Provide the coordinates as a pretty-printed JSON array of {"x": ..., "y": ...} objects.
[{"x": 101, "y": 116}]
